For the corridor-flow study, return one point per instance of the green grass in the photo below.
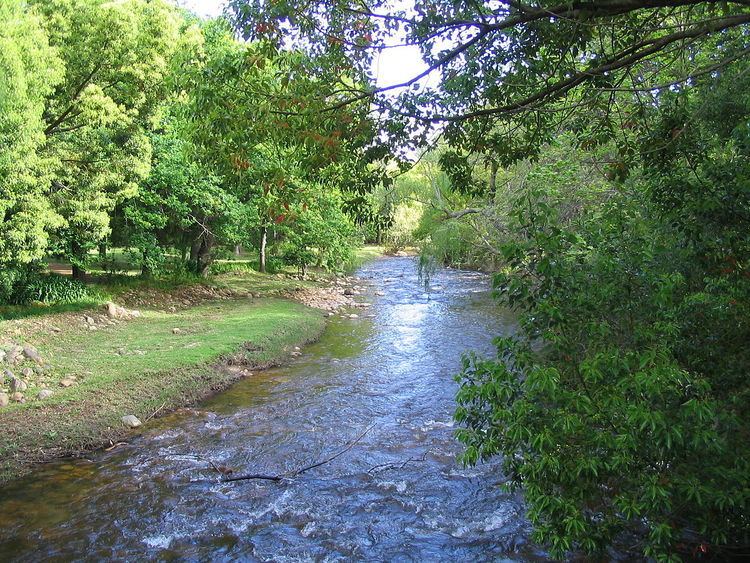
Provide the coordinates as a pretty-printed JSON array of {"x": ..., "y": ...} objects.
[
  {"x": 243, "y": 280},
  {"x": 364, "y": 254},
  {"x": 140, "y": 366}
]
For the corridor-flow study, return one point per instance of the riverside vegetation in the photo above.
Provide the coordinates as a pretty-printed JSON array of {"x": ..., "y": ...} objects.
[
  {"x": 72, "y": 380},
  {"x": 593, "y": 156}
]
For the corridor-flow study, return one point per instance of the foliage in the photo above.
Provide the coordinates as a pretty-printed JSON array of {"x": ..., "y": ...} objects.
[
  {"x": 508, "y": 71},
  {"x": 620, "y": 407},
  {"x": 319, "y": 233},
  {"x": 23, "y": 286},
  {"x": 115, "y": 55},
  {"x": 29, "y": 71}
]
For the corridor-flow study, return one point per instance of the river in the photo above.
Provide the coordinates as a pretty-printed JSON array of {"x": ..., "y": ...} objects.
[{"x": 397, "y": 495}]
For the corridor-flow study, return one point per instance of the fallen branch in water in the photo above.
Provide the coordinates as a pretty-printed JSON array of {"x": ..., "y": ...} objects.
[
  {"x": 221, "y": 469},
  {"x": 301, "y": 470},
  {"x": 153, "y": 414},
  {"x": 114, "y": 445},
  {"x": 396, "y": 465}
]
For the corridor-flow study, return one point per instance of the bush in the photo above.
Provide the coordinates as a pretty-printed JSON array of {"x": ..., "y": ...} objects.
[
  {"x": 53, "y": 288},
  {"x": 20, "y": 287}
]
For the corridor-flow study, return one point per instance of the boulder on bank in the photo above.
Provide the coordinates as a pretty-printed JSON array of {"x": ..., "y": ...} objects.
[
  {"x": 14, "y": 355},
  {"x": 115, "y": 311},
  {"x": 131, "y": 421},
  {"x": 33, "y": 354},
  {"x": 18, "y": 385}
]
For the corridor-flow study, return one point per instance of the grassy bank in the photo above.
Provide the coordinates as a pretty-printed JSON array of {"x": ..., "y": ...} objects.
[
  {"x": 138, "y": 367},
  {"x": 176, "y": 353}
]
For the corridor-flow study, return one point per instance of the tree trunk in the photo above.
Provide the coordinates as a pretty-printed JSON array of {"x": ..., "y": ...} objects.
[
  {"x": 103, "y": 250},
  {"x": 145, "y": 269},
  {"x": 493, "y": 178},
  {"x": 195, "y": 247},
  {"x": 237, "y": 250},
  {"x": 263, "y": 240},
  {"x": 204, "y": 255},
  {"x": 78, "y": 271}
]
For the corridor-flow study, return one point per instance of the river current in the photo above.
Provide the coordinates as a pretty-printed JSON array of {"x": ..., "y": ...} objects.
[{"x": 398, "y": 494}]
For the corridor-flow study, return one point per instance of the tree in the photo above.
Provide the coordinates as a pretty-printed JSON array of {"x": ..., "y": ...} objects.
[
  {"x": 115, "y": 55},
  {"x": 29, "y": 71},
  {"x": 529, "y": 61},
  {"x": 615, "y": 408},
  {"x": 618, "y": 407},
  {"x": 269, "y": 161}
]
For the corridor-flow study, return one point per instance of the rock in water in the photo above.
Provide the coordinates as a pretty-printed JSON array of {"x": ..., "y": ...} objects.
[
  {"x": 4, "y": 399},
  {"x": 131, "y": 421},
  {"x": 44, "y": 394}
]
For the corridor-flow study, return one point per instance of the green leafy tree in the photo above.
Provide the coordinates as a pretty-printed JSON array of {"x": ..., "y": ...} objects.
[
  {"x": 620, "y": 407},
  {"x": 115, "y": 55},
  {"x": 29, "y": 71}
]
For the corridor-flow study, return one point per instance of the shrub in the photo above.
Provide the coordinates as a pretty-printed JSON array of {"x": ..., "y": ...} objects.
[
  {"x": 22, "y": 286},
  {"x": 52, "y": 288}
]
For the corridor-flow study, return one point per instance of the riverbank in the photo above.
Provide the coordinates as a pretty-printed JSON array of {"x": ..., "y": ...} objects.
[{"x": 68, "y": 379}]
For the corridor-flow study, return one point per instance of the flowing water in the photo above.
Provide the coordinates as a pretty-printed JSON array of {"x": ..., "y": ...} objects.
[{"x": 397, "y": 495}]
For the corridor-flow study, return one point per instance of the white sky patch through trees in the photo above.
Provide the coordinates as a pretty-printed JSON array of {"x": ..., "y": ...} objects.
[{"x": 391, "y": 66}]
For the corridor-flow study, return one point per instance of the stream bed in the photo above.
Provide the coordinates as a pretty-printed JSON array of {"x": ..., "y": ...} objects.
[{"x": 397, "y": 495}]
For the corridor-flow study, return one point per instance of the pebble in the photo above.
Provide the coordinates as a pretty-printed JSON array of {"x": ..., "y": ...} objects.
[
  {"x": 32, "y": 353},
  {"x": 27, "y": 372},
  {"x": 67, "y": 382},
  {"x": 45, "y": 394},
  {"x": 131, "y": 421},
  {"x": 18, "y": 385}
]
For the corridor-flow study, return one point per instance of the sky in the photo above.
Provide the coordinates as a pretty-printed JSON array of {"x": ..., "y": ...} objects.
[{"x": 392, "y": 66}]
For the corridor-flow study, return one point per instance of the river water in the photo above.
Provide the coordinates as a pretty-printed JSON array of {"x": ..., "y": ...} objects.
[{"x": 397, "y": 495}]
